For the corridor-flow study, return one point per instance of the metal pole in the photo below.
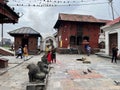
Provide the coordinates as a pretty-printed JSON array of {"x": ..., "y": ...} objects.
[
  {"x": 2, "y": 35},
  {"x": 111, "y": 4}
]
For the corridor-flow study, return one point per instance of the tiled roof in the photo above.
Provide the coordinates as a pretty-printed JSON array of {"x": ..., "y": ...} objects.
[
  {"x": 79, "y": 18},
  {"x": 117, "y": 20},
  {"x": 114, "y": 21},
  {"x": 24, "y": 30}
]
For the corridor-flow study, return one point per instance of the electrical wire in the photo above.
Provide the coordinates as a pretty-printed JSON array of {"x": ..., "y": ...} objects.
[{"x": 53, "y": 5}]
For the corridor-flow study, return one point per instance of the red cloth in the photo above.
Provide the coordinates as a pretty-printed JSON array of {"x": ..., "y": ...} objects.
[{"x": 49, "y": 57}]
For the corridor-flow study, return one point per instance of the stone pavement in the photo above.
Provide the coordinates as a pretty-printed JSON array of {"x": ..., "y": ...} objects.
[
  {"x": 70, "y": 74},
  {"x": 12, "y": 63},
  {"x": 15, "y": 76},
  {"x": 66, "y": 74}
]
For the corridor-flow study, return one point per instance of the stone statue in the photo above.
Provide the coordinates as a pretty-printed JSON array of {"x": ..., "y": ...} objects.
[
  {"x": 43, "y": 67},
  {"x": 35, "y": 73}
]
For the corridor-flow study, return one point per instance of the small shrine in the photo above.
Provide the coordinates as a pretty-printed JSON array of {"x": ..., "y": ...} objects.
[{"x": 26, "y": 36}]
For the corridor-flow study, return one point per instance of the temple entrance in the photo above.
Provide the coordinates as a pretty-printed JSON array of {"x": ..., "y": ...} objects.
[{"x": 24, "y": 41}]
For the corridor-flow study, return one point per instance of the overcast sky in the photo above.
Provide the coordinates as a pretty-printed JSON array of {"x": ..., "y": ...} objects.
[{"x": 43, "y": 19}]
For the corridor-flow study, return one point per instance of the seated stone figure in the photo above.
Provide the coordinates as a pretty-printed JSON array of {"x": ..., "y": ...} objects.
[
  {"x": 35, "y": 74},
  {"x": 43, "y": 67}
]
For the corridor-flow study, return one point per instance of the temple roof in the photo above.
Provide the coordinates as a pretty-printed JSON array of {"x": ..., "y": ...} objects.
[
  {"x": 75, "y": 17},
  {"x": 113, "y": 22},
  {"x": 78, "y": 18},
  {"x": 7, "y": 14},
  {"x": 24, "y": 30}
]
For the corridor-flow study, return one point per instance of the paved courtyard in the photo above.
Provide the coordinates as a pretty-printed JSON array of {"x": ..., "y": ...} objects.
[
  {"x": 67, "y": 74},
  {"x": 70, "y": 74}
]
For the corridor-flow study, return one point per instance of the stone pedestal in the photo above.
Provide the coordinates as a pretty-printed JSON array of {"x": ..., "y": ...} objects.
[{"x": 3, "y": 62}]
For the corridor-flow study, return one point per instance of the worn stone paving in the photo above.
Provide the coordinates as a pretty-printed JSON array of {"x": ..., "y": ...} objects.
[
  {"x": 66, "y": 74},
  {"x": 16, "y": 76}
]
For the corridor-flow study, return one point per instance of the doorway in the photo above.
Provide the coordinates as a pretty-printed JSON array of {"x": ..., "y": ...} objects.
[
  {"x": 113, "y": 39},
  {"x": 86, "y": 38},
  {"x": 24, "y": 42}
]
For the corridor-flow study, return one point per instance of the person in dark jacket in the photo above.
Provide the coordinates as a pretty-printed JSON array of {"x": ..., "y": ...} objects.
[
  {"x": 19, "y": 52},
  {"x": 53, "y": 55},
  {"x": 114, "y": 54}
]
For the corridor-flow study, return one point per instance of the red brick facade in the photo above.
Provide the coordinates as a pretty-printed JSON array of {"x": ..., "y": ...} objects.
[
  {"x": 32, "y": 42},
  {"x": 26, "y": 36},
  {"x": 74, "y": 29},
  {"x": 69, "y": 29},
  {"x": 92, "y": 31}
]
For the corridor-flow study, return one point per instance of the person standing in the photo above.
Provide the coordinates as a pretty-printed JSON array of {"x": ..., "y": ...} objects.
[
  {"x": 19, "y": 52},
  {"x": 25, "y": 52},
  {"x": 114, "y": 54},
  {"x": 88, "y": 50},
  {"x": 49, "y": 58},
  {"x": 47, "y": 49},
  {"x": 53, "y": 55}
]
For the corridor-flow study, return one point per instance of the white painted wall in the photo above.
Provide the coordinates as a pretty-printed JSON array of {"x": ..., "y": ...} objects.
[
  {"x": 119, "y": 41},
  {"x": 110, "y": 30},
  {"x": 106, "y": 42}
]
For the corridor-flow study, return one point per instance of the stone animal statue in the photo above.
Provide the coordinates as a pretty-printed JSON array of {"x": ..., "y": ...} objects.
[
  {"x": 43, "y": 67},
  {"x": 35, "y": 73}
]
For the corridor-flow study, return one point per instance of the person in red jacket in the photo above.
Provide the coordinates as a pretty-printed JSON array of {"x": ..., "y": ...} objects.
[{"x": 49, "y": 57}]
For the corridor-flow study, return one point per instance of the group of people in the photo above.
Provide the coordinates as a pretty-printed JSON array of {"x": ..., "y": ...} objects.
[
  {"x": 114, "y": 52},
  {"x": 22, "y": 52},
  {"x": 51, "y": 53}
]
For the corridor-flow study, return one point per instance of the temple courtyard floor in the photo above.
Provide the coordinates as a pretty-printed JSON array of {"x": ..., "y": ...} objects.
[{"x": 68, "y": 73}]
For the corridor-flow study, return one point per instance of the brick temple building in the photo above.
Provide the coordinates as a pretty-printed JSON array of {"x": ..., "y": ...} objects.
[
  {"x": 73, "y": 30},
  {"x": 26, "y": 36}
]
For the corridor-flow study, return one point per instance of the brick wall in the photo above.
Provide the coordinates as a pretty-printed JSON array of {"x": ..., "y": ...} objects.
[
  {"x": 33, "y": 45},
  {"x": 92, "y": 31},
  {"x": 65, "y": 31},
  {"x": 68, "y": 29}
]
